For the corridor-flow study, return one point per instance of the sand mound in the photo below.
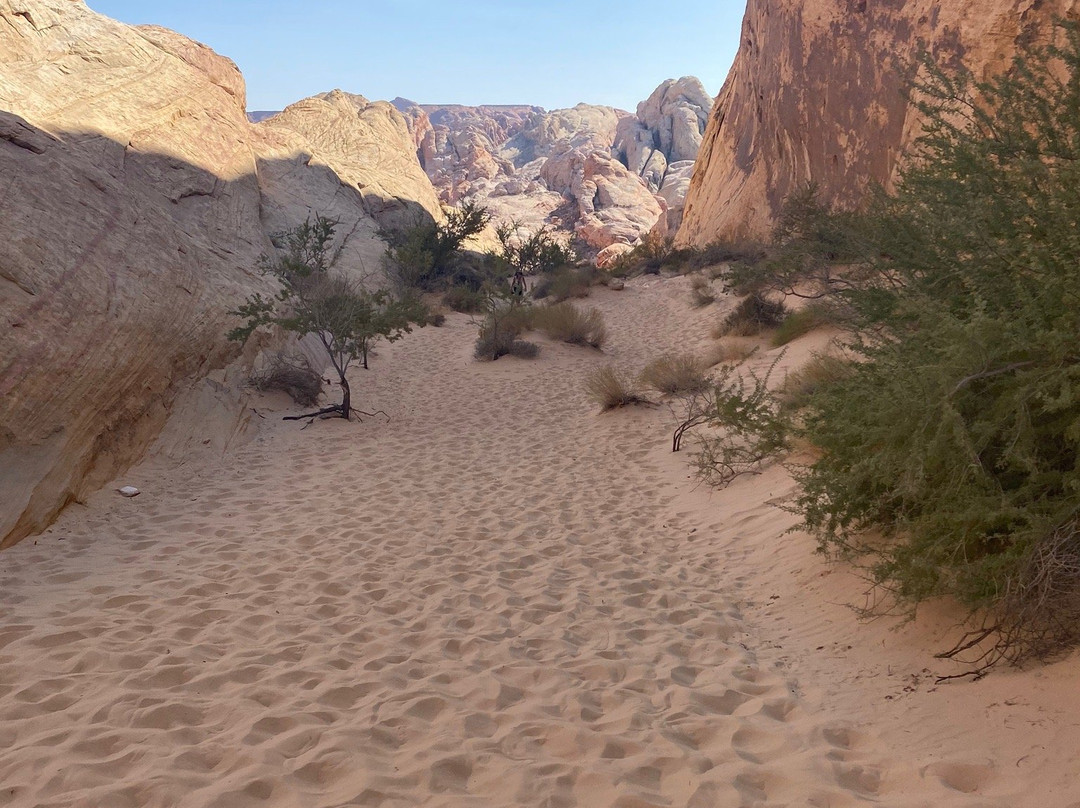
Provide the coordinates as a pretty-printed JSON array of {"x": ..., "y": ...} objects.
[{"x": 497, "y": 598}]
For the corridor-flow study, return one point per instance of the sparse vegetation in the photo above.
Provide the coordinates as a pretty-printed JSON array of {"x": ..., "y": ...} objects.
[
  {"x": 567, "y": 323},
  {"x": 797, "y": 323},
  {"x": 313, "y": 299},
  {"x": 610, "y": 388},
  {"x": 566, "y": 283},
  {"x": 701, "y": 293},
  {"x": 293, "y": 375},
  {"x": 465, "y": 300},
  {"x": 428, "y": 256},
  {"x": 730, "y": 351},
  {"x": 753, "y": 314},
  {"x": 675, "y": 374}
]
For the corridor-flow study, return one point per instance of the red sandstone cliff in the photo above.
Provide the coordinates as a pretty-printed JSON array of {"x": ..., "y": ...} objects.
[{"x": 815, "y": 94}]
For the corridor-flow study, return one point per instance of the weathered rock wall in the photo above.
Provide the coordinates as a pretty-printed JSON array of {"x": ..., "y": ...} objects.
[
  {"x": 815, "y": 94},
  {"x": 136, "y": 199}
]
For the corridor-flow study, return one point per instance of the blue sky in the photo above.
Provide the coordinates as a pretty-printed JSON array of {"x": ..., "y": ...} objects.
[{"x": 553, "y": 53}]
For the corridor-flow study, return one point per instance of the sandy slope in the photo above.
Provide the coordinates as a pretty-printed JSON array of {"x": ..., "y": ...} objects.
[{"x": 498, "y": 597}]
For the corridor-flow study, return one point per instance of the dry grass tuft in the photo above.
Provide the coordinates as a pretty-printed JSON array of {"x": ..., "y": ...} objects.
[
  {"x": 292, "y": 375},
  {"x": 730, "y": 351},
  {"x": 701, "y": 293},
  {"x": 611, "y": 389},
  {"x": 567, "y": 323},
  {"x": 673, "y": 374}
]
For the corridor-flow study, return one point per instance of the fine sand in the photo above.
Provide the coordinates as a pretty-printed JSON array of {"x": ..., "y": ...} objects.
[{"x": 499, "y": 597}]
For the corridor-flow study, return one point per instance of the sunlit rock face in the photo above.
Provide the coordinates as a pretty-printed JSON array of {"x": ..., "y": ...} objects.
[
  {"x": 137, "y": 199},
  {"x": 816, "y": 93},
  {"x": 598, "y": 173}
]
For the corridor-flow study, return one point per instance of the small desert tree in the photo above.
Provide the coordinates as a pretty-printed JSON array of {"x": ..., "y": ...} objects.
[
  {"x": 313, "y": 299},
  {"x": 534, "y": 253},
  {"x": 423, "y": 256}
]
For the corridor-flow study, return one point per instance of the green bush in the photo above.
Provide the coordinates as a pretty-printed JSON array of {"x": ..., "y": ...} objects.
[
  {"x": 428, "y": 256},
  {"x": 803, "y": 321},
  {"x": 567, "y": 323},
  {"x": 464, "y": 299},
  {"x": 950, "y": 453}
]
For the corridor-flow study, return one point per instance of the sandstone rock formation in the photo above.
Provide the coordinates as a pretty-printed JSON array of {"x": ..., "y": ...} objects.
[
  {"x": 136, "y": 201},
  {"x": 815, "y": 94},
  {"x": 568, "y": 168}
]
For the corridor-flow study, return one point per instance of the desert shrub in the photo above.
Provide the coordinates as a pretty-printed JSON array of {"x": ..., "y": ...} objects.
[
  {"x": 730, "y": 351},
  {"x": 534, "y": 253},
  {"x": 312, "y": 298},
  {"x": 796, "y": 323},
  {"x": 499, "y": 334},
  {"x": 566, "y": 283},
  {"x": 810, "y": 379},
  {"x": 464, "y": 299},
  {"x": 610, "y": 388},
  {"x": 673, "y": 374},
  {"x": 436, "y": 318},
  {"x": 701, "y": 294},
  {"x": 567, "y": 323},
  {"x": 950, "y": 455},
  {"x": 738, "y": 423},
  {"x": 292, "y": 375},
  {"x": 428, "y": 256},
  {"x": 754, "y": 313}
]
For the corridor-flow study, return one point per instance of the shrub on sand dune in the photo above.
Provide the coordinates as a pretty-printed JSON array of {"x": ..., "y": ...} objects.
[
  {"x": 567, "y": 323},
  {"x": 673, "y": 374},
  {"x": 754, "y": 314},
  {"x": 611, "y": 389}
]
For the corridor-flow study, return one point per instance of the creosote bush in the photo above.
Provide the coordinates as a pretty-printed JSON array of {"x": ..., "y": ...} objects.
[
  {"x": 754, "y": 313},
  {"x": 672, "y": 374},
  {"x": 611, "y": 389},
  {"x": 565, "y": 283},
  {"x": 567, "y": 323}
]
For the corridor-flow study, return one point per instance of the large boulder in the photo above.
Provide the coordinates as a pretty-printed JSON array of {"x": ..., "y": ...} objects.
[
  {"x": 815, "y": 94},
  {"x": 612, "y": 205},
  {"x": 137, "y": 199}
]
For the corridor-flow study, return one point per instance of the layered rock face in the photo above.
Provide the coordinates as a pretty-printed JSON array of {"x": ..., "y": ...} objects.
[
  {"x": 602, "y": 174},
  {"x": 137, "y": 200},
  {"x": 815, "y": 94}
]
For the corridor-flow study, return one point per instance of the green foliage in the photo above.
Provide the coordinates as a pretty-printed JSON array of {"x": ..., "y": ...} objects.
[
  {"x": 955, "y": 439},
  {"x": 566, "y": 322},
  {"x": 796, "y": 323},
  {"x": 427, "y": 256},
  {"x": 465, "y": 299},
  {"x": 346, "y": 318},
  {"x": 532, "y": 254},
  {"x": 739, "y": 425}
]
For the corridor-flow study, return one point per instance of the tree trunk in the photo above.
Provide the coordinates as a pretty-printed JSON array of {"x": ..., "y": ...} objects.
[{"x": 346, "y": 399}]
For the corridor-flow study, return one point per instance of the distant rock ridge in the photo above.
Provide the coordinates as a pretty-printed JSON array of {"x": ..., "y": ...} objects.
[
  {"x": 815, "y": 95},
  {"x": 605, "y": 175},
  {"x": 137, "y": 201}
]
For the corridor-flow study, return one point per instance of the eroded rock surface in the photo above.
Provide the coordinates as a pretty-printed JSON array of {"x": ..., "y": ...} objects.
[
  {"x": 136, "y": 201},
  {"x": 602, "y": 174},
  {"x": 815, "y": 94}
]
